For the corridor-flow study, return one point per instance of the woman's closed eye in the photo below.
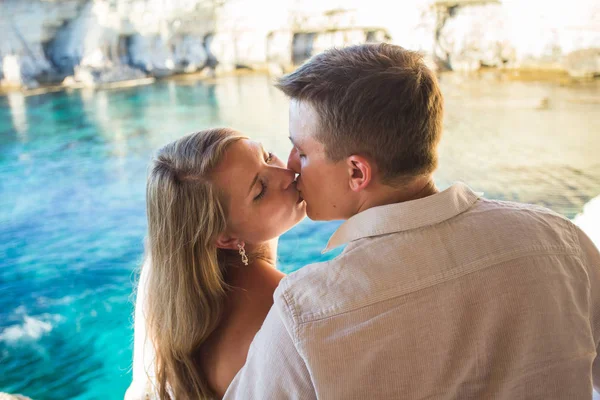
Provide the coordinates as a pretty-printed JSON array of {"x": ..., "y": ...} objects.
[
  {"x": 268, "y": 159},
  {"x": 263, "y": 191}
]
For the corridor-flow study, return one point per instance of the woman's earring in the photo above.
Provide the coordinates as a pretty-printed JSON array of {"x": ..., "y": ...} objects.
[{"x": 242, "y": 252}]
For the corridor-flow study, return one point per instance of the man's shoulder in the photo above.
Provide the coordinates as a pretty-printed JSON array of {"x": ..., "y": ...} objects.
[
  {"x": 305, "y": 293},
  {"x": 303, "y": 279},
  {"x": 327, "y": 289},
  {"x": 512, "y": 206},
  {"x": 496, "y": 213},
  {"x": 530, "y": 222}
]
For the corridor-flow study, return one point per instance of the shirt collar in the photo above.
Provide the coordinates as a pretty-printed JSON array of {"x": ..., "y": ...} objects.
[{"x": 404, "y": 216}]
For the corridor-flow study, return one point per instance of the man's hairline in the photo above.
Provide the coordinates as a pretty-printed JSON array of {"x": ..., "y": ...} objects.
[
  {"x": 306, "y": 102},
  {"x": 388, "y": 181}
]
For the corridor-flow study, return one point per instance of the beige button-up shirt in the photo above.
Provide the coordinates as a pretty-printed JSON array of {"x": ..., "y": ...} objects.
[{"x": 447, "y": 297}]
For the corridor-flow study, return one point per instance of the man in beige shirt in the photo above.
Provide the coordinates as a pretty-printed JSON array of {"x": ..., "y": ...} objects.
[{"x": 437, "y": 295}]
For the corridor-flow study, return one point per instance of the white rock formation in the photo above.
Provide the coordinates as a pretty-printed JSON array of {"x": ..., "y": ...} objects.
[
  {"x": 86, "y": 40},
  {"x": 540, "y": 31},
  {"x": 152, "y": 54},
  {"x": 46, "y": 38},
  {"x": 189, "y": 54},
  {"x": 26, "y": 26}
]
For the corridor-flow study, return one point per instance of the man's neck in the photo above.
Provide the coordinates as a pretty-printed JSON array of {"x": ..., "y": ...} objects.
[{"x": 417, "y": 189}]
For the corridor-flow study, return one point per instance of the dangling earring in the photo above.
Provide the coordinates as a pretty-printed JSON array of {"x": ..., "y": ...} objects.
[{"x": 242, "y": 252}]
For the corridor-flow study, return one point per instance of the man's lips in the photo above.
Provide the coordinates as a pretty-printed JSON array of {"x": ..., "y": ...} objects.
[{"x": 300, "y": 197}]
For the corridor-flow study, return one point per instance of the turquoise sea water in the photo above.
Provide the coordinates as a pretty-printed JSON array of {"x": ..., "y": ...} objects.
[{"x": 72, "y": 217}]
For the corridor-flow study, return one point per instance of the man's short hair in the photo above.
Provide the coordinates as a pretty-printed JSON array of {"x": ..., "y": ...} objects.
[{"x": 377, "y": 100}]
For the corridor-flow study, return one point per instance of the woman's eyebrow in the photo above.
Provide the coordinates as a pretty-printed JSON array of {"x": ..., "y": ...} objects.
[{"x": 252, "y": 185}]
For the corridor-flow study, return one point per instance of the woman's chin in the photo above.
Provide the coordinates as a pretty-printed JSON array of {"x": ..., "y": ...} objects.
[
  {"x": 301, "y": 206},
  {"x": 302, "y": 215}
]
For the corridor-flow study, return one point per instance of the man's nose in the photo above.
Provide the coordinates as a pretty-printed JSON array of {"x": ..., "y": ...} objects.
[
  {"x": 284, "y": 176},
  {"x": 289, "y": 178},
  {"x": 294, "y": 161}
]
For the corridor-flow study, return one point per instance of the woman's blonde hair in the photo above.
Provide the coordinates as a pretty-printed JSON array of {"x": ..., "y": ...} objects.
[{"x": 186, "y": 285}]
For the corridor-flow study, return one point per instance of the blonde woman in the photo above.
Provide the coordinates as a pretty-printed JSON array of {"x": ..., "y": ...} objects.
[{"x": 216, "y": 205}]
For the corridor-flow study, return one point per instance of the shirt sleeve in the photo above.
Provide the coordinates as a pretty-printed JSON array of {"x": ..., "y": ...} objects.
[
  {"x": 143, "y": 382},
  {"x": 274, "y": 369},
  {"x": 591, "y": 258}
]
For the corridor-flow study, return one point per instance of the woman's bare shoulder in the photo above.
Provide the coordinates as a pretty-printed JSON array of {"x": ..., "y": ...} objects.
[{"x": 247, "y": 305}]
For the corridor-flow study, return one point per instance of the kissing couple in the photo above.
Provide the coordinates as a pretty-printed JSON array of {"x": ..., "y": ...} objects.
[{"x": 436, "y": 295}]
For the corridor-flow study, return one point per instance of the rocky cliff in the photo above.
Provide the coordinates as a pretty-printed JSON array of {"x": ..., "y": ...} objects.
[{"x": 102, "y": 41}]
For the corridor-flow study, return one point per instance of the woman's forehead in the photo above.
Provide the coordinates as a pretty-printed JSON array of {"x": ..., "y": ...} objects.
[{"x": 238, "y": 167}]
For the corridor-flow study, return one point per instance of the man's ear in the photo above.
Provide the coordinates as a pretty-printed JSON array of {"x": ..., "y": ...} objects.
[
  {"x": 360, "y": 172},
  {"x": 227, "y": 242}
]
